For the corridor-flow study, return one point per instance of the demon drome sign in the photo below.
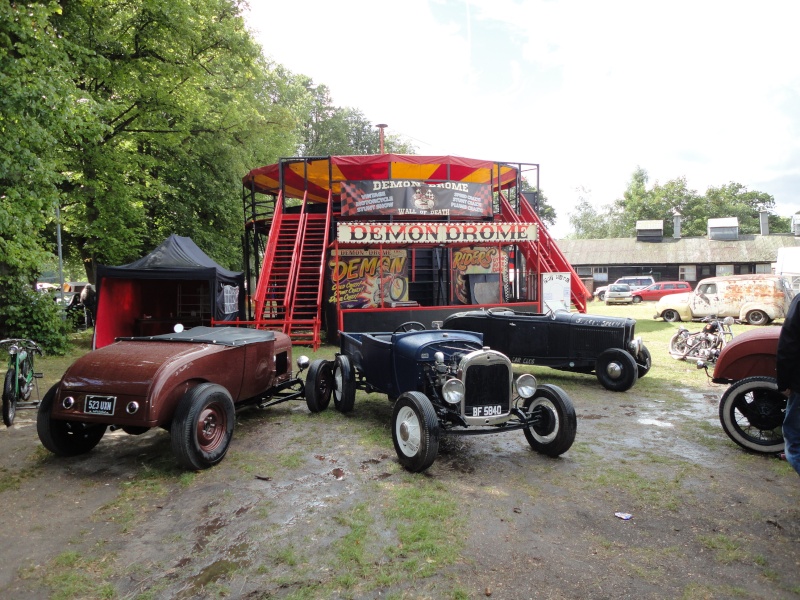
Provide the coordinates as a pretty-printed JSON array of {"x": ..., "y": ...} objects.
[{"x": 435, "y": 233}]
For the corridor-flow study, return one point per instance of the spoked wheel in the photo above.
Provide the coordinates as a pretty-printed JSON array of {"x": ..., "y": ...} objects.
[
  {"x": 757, "y": 317},
  {"x": 751, "y": 412},
  {"x": 9, "y": 397},
  {"x": 415, "y": 431},
  {"x": 65, "y": 438},
  {"x": 616, "y": 370},
  {"x": 678, "y": 346},
  {"x": 202, "y": 427},
  {"x": 554, "y": 420},
  {"x": 344, "y": 384},
  {"x": 319, "y": 385}
]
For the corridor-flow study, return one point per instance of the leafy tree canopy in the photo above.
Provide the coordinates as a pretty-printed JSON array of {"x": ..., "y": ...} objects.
[{"x": 661, "y": 202}]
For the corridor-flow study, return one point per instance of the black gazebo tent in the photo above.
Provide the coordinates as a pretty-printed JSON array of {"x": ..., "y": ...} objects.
[{"x": 176, "y": 283}]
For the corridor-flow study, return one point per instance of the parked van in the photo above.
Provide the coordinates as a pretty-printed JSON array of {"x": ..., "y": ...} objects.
[{"x": 754, "y": 299}]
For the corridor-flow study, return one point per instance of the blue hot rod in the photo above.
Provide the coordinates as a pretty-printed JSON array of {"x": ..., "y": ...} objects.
[{"x": 442, "y": 382}]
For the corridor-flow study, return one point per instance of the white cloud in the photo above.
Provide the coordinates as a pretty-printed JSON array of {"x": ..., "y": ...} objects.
[{"x": 589, "y": 90}]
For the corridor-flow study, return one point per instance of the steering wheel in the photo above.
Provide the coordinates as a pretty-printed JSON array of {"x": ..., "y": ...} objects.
[{"x": 410, "y": 326}]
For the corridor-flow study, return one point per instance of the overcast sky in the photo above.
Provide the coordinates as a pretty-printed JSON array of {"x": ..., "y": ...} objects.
[{"x": 587, "y": 89}]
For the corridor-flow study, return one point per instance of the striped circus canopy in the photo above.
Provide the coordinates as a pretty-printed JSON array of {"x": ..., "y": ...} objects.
[{"x": 321, "y": 175}]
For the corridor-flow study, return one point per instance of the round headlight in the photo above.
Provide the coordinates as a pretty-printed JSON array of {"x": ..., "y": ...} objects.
[
  {"x": 302, "y": 362},
  {"x": 635, "y": 346},
  {"x": 526, "y": 385},
  {"x": 453, "y": 391}
]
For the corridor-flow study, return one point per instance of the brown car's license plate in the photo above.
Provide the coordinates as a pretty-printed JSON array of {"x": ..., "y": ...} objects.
[{"x": 100, "y": 405}]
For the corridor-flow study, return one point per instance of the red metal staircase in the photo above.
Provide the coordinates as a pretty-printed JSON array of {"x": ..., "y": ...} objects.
[
  {"x": 289, "y": 292},
  {"x": 544, "y": 252}
]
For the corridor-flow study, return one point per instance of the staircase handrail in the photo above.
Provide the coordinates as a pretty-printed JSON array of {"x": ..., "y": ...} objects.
[
  {"x": 272, "y": 244},
  {"x": 294, "y": 268},
  {"x": 325, "y": 241}
]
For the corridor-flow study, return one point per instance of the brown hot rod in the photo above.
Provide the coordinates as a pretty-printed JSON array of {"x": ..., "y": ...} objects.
[{"x": 189, "y": 382}]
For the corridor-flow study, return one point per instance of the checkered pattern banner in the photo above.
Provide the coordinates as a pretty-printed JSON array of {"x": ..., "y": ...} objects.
[{"x": 408, "y": 197}]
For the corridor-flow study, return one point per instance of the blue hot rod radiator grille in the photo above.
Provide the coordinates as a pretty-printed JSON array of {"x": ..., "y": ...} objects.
[{"x": 488, "y": 385}]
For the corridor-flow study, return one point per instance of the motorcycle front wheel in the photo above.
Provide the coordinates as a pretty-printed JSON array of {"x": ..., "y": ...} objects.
[{"x": 678, "y": 346}]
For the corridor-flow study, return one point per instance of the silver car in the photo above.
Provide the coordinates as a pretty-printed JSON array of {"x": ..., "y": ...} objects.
[{"x": 619, "y": 293}]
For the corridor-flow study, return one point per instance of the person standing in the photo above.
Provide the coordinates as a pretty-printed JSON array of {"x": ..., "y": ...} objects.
[{"x": 788, "y": 374}]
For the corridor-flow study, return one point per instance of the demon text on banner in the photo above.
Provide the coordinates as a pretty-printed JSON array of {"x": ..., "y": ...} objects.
[{"x": 362, "y": 278}]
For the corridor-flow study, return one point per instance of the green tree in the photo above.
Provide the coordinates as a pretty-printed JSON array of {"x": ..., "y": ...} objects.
[
  {"x": 661, "y": 202},
  {"x": 38, "y": 105},
  {"x": 328, "y": 130},
  {"x": 184, "y": 101},
  {"x": 587, "y": 222},
  {"x": 730, "y": 200},
  {"x": 544, "y": 209}
]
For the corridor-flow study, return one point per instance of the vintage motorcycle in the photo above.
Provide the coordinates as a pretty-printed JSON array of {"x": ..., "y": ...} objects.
[
  {"x": 20, "y": 377},
  {"x": 751, "y": 409},
  {"x": 705, "y": 344}
]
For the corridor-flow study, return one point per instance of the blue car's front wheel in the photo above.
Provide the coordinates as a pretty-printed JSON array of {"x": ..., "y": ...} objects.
[{"x": 415, "y": 431}]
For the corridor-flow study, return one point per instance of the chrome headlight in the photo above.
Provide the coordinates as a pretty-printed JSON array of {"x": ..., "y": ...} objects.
[
  {"x": 303, "y": 362},
  {"x": 526, "y": 385},
  {"x": 635, "y": 346},
  {"x": 453, "y": 391}
]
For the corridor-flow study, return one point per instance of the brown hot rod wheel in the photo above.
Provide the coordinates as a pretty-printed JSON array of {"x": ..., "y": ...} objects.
[
  {"x": 202, "y": 427},
  {"x": 555, "y": 423},
  {"x": 319, "y": 385},
  {"x": 65, "y": 438},
  {"x": 751, "y": 412}
]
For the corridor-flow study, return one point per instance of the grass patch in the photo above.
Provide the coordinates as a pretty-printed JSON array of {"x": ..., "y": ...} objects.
[
  {"x": 658, "y": 492},
  {"x": 75, "y": 575},
  {"x": 426, "y": 518},
  {"x": 726, "y": 550},
  {"x": 152, "y": 481}
]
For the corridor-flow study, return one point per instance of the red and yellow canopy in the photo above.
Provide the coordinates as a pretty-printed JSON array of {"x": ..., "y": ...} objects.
[{"x": 321, "y": 175}]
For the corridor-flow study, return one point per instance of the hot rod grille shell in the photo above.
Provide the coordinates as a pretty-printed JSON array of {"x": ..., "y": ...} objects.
[
  {"x": 487, "y": 377},
  {"x": 487, "y": 385}
]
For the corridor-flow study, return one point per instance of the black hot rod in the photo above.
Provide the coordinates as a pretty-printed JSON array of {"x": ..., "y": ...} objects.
[{"x": 563, "y": 340}]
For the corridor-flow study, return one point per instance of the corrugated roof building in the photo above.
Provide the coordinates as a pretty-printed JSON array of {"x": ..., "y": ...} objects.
[{"x": 724, "y": 251}]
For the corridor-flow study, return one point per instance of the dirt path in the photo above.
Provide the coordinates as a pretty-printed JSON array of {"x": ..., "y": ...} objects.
[{"x": 316, "y": 506}]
